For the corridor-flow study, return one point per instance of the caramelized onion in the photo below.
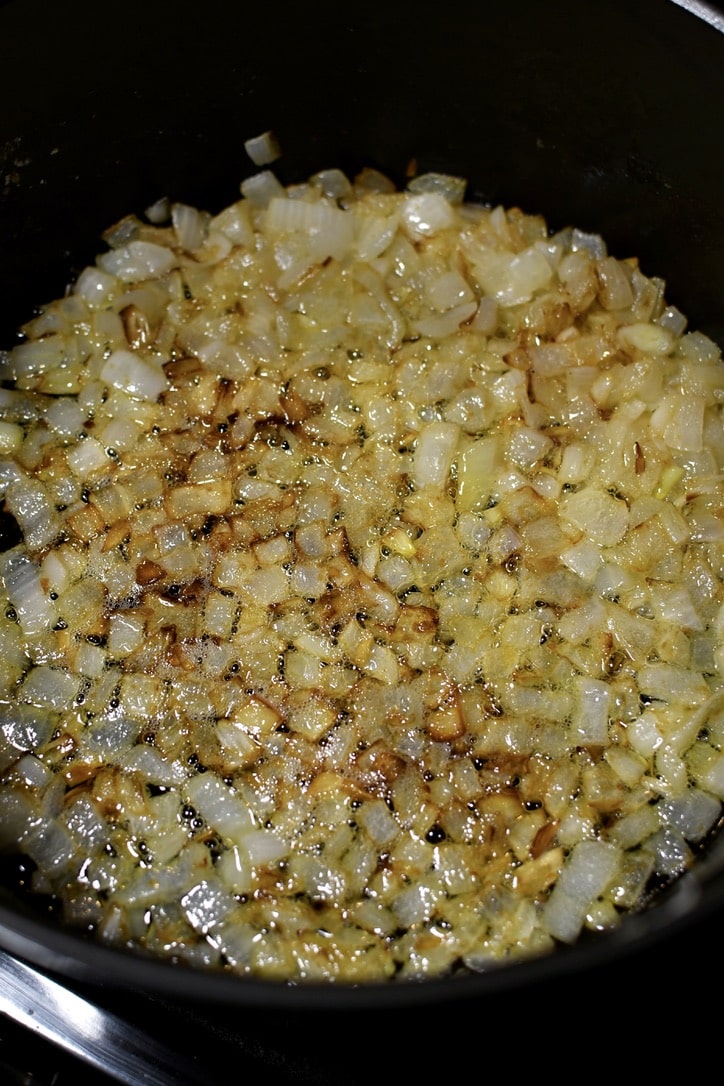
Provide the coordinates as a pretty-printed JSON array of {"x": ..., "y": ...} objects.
[{"x": 367, "y": 620}]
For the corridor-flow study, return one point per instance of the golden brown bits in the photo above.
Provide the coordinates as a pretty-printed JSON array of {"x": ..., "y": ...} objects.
[
  {"x": 116, "y": 535},
  {"x": 377, "y": 767},
  {"x": 77, "y": 776},
  {"x": 147, "y": 572},
  {"x": 491, "y": 705},
  {"x": 189, "y": 592},
  {"x": 183, "y": 370},
  {"x": 519, "y": 359},
  {"x": 544, "y": 839},
  {"x": 135, "y": 326},
  {"x": 640, "y": 459},
  {"x": 446, "y": 722},
  {"x": 551, "y": 317},
  {"x": 294, "y": 408},
  {"x": 615, "y": 662},
  {"x": 414, "y": 621},
  {"x": 178, "y": 657},
  {"x": 86, "y": 523}
]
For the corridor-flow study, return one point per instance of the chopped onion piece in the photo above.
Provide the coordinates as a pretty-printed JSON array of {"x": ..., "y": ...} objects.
[
  {"x": 434, "y": 453},
  {"x": 591, "y": 866},
  {"x": 263, "y": 149},
  {"x": 137, "y": 261},
  {"x": 261, "y": 188},
  {"x": 452, "y": 188},
  {"x": 131, "y": 373},
  {"x": 426, "y": 214}
]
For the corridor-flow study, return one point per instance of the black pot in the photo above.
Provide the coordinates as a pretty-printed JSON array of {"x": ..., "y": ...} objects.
[{"x": 607, "y": 117}]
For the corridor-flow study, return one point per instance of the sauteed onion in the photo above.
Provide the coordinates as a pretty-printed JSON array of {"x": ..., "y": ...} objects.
[{"x": 367, "y": 617}]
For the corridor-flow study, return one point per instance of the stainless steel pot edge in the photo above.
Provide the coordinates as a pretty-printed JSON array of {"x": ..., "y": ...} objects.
[
  {"x": 105, "y": 1041},
  {"x": 710, "y": 13}
]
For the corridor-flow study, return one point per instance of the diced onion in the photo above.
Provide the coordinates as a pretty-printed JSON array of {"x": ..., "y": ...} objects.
[{"x": 367, "y": 614}]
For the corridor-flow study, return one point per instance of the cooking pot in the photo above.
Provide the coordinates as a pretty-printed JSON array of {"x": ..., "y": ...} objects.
[{"x": 606, "y": 117}]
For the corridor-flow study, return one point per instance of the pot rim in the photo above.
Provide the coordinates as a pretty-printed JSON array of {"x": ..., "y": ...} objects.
[{"x": 687, "y": 902}]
